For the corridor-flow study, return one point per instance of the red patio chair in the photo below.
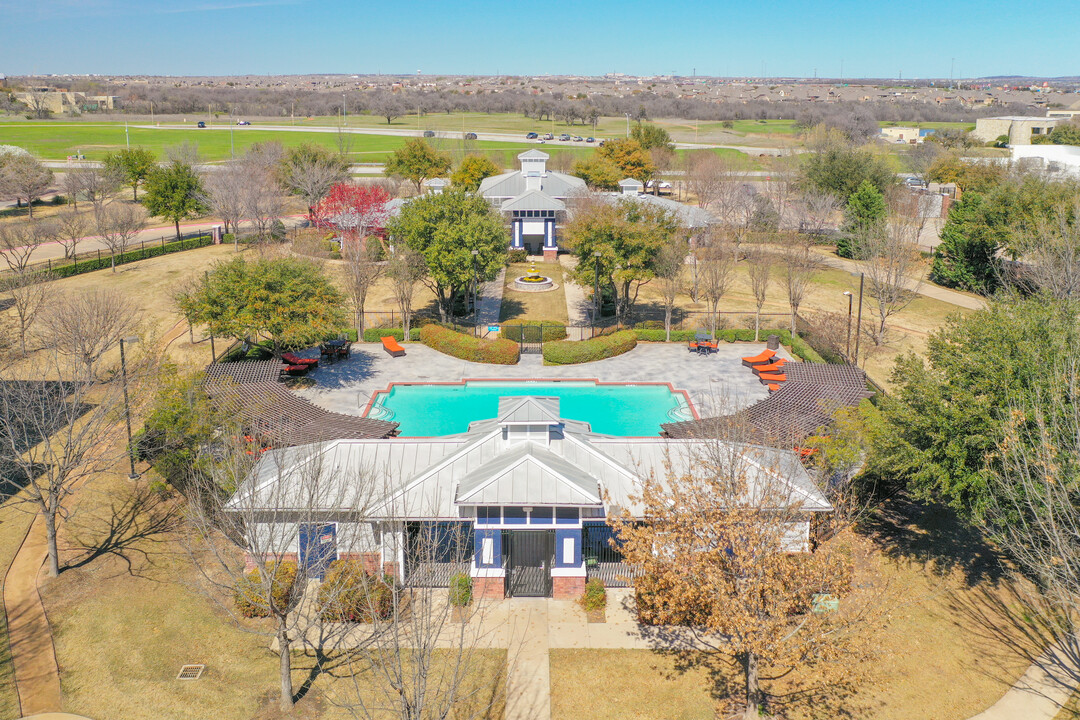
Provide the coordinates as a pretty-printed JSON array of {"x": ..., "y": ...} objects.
[
  {"x": 765, "y": 356},
  {"x": 293, "y": 359},
  {"x": 297, "y": 370}
]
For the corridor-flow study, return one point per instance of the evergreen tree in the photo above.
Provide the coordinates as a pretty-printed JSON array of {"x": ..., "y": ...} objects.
[
  {"x": 864, "y": 215},
  {"x": 967, "y": 256}
]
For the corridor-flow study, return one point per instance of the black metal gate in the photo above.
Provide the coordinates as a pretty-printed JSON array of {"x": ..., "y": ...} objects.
[
  {"x": 530, "y": 338},
  {"x": 531, "y": 553}
]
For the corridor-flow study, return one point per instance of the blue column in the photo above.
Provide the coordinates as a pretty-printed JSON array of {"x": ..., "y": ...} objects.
[
  {"x": 495, "y": 538},
  {"x": 562, "y": 558}
]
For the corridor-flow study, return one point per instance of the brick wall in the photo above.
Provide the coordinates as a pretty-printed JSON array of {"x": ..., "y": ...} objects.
[
  {"x": 567, "y": 588},
  {"x": 488, "y": 588}
]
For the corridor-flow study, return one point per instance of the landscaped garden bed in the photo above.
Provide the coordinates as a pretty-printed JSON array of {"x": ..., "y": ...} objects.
[
  {"x": 467, "y": 347},
  {"x": 568, "y": 352}
]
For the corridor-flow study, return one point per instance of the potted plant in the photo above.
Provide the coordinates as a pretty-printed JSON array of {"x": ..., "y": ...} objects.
[
  {"x": 594, "y": 600},
  {"x": 460, "y": 597}
]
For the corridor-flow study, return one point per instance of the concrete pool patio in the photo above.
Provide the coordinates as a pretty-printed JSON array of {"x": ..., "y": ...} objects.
[{"x": 716, "y": 384}]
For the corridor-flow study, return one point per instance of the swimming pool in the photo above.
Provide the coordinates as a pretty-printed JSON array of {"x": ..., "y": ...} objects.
[{"x": 634, "y": 410}]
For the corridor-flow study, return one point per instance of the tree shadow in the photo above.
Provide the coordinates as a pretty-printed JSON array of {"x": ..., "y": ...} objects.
[
  {"x": 358, "y": 367},
  {"x": 933, "y": 535},
  {"x": 134, "y": 529},
  {"x": 512, "y": 309}
]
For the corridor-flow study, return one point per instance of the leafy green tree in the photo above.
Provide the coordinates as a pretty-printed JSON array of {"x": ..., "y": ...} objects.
[
  {"x": 629, "y": 157},
  {"x": 650, "y": 136},
  {"x": 864, "y": 215},
  {"x": 968, "y": 176},
  {"x": 417, "y": 161},
  {"x": 472, "y": 171},
  {"x": 176, "y": 193},
  {"x": 288, "y": 301},
  {"x": 310, "y": 171},
  {"x": 445, "y": 229},
  {"x": 970, "y": 240},
  {"x": 1066, "y": 133},
  {"x": 598, "y": 173},
  {"x": 132, "y": 164},
  {"x": 840, "y": 170},
  {"x": 629, "y": 235},
  {"x": 948, "y": 416},
  {"x": 182, "y": 421}
]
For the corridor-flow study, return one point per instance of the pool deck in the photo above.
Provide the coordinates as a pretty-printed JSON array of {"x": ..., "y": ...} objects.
[{"x": 716, "y": 384}]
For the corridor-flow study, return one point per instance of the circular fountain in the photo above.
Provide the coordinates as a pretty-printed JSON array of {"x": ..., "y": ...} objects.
[{"x": 533, "y": 281}]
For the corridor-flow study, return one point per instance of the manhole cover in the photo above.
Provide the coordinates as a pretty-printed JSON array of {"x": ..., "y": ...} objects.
[{"x": 190, "y": 672}]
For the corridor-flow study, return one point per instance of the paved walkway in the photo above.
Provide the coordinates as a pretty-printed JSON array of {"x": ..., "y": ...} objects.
[
  {"x": 490, "y": 303},
  {"x": 37, "y": 676}
]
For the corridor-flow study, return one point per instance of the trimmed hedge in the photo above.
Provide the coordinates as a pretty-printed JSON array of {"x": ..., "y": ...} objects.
[
  {"x": 467, "y": 347},
  {"x": 373, "y": 335},
  {"x": 250, "y": 594},
  {"x": 85, "y": 266},
  {"x": 798, "y": 346},
  {"x": 568, "y": 352},
  {"x": 551, "y": 330},
  {"x": 594, "y": 598}
]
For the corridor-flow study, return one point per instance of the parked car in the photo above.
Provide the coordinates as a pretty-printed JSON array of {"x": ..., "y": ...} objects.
[
  {"x": 470, "y": 136},
  {"x": 429, "y": 133},
  {"x": 577, "y": 138},
  {"x": 200, "y": 124},
  {"x": 243, "y": 122},
  {"x": 531, "y": 136},
  {"x": 564, "y": 137},
  {"x": 665, "y": 187},
  {"x": 590, "y": 139}
]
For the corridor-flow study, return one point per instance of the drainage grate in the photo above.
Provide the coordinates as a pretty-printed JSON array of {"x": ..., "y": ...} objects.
[{"x": 190, "y": 672}]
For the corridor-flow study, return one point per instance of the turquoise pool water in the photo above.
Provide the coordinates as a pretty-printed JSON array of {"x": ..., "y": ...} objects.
[{"x": 626, "y": 410}]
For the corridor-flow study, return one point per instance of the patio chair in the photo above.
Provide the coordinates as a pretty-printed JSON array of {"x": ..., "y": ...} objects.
[
  {"x": 773, "y": 387},
  {"x": 692, "y": 346},
  {"x": 770, "y": 368},
  {"x": 294, "y": 359},
  {"x": 327, "y": 351},
  {"x": 762, "y": 358},
  {"x": 767, "y": 378},
  {"x": 391, "y": 346},
  {"x": 297, "y": 370}
]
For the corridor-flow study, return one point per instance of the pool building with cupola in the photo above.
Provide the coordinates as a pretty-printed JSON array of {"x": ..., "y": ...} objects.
[{"x": 519, "y": 501}]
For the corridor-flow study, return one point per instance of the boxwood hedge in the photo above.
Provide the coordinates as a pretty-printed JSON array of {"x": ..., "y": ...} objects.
[
  {"x": 373, "y": 335},
  {"x": 550, "y": 330},
  {"x": 467, "y": 347},
  {"x": 568, "y": 352}
]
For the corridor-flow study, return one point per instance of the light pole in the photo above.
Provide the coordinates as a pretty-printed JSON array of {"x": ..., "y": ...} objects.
[
  {"x": 858, "y": 322},
  {"x": 476, "y": 308},
  {"x": 344, "y": 114},
  {"x": 596, "y": 287},
  {"x": 127, "y": 137},
  {"x": 627, "y": 124},
  {"x": 127, "y": 406},
  {"x": 615, "y": 280},
  {"x": 850, "y": 297}
]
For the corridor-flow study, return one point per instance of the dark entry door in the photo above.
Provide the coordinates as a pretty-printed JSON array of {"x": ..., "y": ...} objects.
[
  {"x": 318, "y": 548},
  {"x": 531, "y": 554}
]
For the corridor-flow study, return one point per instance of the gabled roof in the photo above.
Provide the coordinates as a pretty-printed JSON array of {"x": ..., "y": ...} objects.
[
  {"x": 533, "y": 200},
  {"x": 630, "y": 182},
  {"x": 528, "y": 410},
  {"x": 533, "y": 155},
  {"x": 526, "y": 475},
  {"x": 512, "y": 184}
]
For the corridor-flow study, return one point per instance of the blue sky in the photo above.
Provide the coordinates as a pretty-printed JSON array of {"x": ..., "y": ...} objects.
[{"x": 778, "y": 38}]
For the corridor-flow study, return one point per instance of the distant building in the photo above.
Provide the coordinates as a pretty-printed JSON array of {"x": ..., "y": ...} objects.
[
  {"x": 1066, "y": 113},
  {"x": 910, "y": 135},
  {"x": 1058, "y": 159},
  {"x": 62, "y": 101},
  {"x": 1020, "y": 129}
]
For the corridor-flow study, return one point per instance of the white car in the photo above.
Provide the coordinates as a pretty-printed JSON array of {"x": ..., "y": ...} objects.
[
  {"x": 664, "y": 185},
  {"x": 243, "y": 122}
]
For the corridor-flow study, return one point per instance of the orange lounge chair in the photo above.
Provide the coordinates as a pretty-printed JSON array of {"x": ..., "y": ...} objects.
[
  {"x": 770, "y": 368},
  {"x": 692, "y": 346},
  {"x": 773, "y": 387},
  {"x": 294, "y": 359},
  {"x": 767, "y": 378},
  {"x": 765, "y": 356},
  {"x": 391, "y": 346}
]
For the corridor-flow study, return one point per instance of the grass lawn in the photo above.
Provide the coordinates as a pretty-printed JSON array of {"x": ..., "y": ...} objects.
[
  {"x": 57, "y": 141},
  {"x": 534, "y": 306},
  {"x": 937, "y": 656}
]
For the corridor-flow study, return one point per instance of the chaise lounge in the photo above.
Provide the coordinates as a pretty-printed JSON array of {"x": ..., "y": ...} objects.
[
  {"x": 764, "y": 357},
  {"x": 392, "y": 347},
  {"x": 293, "y": 359},
  {"x": 770, "y": 368},
  {"x": 772, "y": 378}
]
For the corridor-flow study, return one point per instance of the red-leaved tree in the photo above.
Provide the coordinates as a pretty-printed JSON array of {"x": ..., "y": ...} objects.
[{"x": 354, "y": 210}]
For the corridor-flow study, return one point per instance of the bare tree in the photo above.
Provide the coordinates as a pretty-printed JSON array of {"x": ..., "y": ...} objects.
[
  {"x": 38, "y": 102},
  {"x": 716, "y": 263},
  {"x": 77, "y": 416},
  {"x": 669, "y": 267},
  {"x": 19, "y": 242},
  {"x": 706, "y": 174},
  {"x": 891, "y": 260},
  {"x": 798, "y": 265},
  {"x": 117, "y": 225},
  {"x": 225, "y": 195},
  {"x": 87, "y": 325},
  {"x": 72, "y": 187},
  {"x": 71, "y": 227},
  {"x": 817, "y": 211},
  {"x": 406, "y": 268},
  {"x": 244, "y": 544},
  {"x": 264, "y": 202},
  {"x": 362, "y": 270},
  {"x": 186, "y": 153},
  {"x": 311, "y": 176},
  {"x": 30, "y": 292},
  {"x": 24, "y": 177},
  {"x": 98, "y": 186},
  {"x": 1052, "y": 250},
  {"x": 759, "y": 267}
]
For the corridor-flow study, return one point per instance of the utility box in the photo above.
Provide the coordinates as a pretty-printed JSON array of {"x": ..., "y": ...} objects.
[{"x": 773, "y": 342}]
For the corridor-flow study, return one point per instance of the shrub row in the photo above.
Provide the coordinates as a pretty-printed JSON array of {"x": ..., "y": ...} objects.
[
  {"x": 567, "y": 352},
  {"x": 350, "y": 594},
  {"x": 595, "y": 596},
  {"x": 467, "y": 347},
  {"x": 460, "y": 590},
  {"x": 102, "y": 263},
  {"x": 550, "y": 330},
  {"x": 251, "y": 594},
  {"x": 799, "y": 347},
  {"x": 373, "y": 335}
]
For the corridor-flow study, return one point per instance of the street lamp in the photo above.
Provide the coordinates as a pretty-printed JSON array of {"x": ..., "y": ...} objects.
[
  {"x": 858, "y": 320},
  {"x": 127, "y": 406},
  {"x": 850, "y": 297},
  {"x": 596, "y": 287},
  {"x": 344, "y": 113},
  {"x": 475, "y": 282},
  {"x": 627, "y": 124}
]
